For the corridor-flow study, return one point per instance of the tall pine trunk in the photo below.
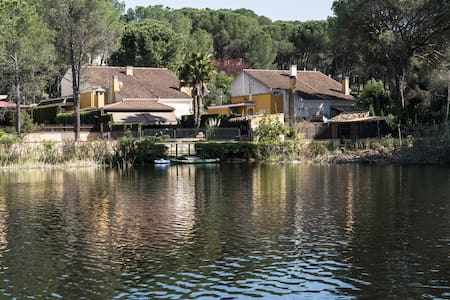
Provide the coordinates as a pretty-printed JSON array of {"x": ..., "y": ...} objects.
[
  {"x": 402, "y": 87},
  {"x": 199, "y": 110},
  {"x": 18, "y": 110},
  {"x": 197, "y": 106},
  {"x": 18, "y": 95},
  {"x": 76, "y": 92},
  {"x": 447, "y": 110}
]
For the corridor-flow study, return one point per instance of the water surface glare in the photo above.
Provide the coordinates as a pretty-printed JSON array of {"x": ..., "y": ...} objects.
[{"x": 226, "y": 232}]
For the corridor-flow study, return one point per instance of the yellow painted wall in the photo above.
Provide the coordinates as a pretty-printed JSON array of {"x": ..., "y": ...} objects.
[
  {"x": 99, "y": 100},
  {"x": 264, "y": 103},
  {"x": 86, "y": 100},
  {"x": 91, "y": 99}
]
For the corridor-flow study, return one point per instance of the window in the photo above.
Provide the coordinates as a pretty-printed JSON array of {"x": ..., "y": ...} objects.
[{"x": 277, "y": 93}]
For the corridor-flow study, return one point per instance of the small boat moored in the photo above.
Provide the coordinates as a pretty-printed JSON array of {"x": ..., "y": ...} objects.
[
  {"x": 194, "y": 160},
  {"x": 162, "y": 162}
]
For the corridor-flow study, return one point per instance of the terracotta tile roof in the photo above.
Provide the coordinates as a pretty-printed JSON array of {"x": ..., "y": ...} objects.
[
  {"x": 145, "y": 118},
  {"x": 138, "y": 106},
  {"x": 355, "y": 117},
  {"x": 310, "y": 84},
  {"x": 145, "y": 83}
]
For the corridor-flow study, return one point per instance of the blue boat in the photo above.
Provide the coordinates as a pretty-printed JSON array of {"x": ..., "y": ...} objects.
[{"x": 162, "y": 162}]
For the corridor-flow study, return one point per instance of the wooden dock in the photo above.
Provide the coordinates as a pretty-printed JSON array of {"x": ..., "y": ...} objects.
[{"x": 184, "y": 148}]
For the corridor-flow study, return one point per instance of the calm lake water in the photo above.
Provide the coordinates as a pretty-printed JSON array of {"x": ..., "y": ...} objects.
[{"x": 226, "y": 232}]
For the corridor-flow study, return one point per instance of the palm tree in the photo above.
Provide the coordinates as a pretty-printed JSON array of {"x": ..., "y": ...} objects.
[{"x": 197, "y": 72}]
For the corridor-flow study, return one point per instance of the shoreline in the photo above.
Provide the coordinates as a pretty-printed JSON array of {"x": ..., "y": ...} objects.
[
  {"x": 131, "y": 153},
  {"x": 352, "y": 159}
]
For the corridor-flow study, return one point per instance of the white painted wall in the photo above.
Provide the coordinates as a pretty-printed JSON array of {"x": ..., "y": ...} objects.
[
  {"x": 245, "y": 85},
  {"x": 183, "y": 107}
]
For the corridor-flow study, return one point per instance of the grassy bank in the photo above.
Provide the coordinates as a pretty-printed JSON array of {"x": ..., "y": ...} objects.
[
  {"x": 430, "y": 150},
  {"x": 127, "y": 152}
]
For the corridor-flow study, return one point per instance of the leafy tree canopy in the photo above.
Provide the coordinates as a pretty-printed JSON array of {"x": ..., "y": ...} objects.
[{"x": 149, "y": 43}]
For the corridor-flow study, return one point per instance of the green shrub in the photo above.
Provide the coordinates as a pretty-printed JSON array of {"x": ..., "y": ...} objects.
[
  {"x": 27, "y": 122},
  {"x": 388, "y": 142},
  {"x": 7, "y": 139},
  {"x": 45, "y": 115},
  {"x": 147, "y": 150},
  {"x": 130, "y": 151},
  {"x": 270, "y": 131},
  {"x": 226, "y": 151},
  {"x": 87, "y": 117},
  {"x": 316, "y": 150}
]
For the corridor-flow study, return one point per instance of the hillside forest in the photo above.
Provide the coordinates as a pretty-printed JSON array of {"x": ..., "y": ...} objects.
[{"x": 395, "y": 52}]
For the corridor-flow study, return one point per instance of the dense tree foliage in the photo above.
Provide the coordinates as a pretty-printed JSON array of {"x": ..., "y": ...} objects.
[
  {"x": 219, "y": 89},
  {"x": 394, "y": 50},
  {"x": 149, "y": 43},
  {"x": 399, "y": 42},
  {"x": 26, "y": 52},
  {"x": 85, "y": 30}
]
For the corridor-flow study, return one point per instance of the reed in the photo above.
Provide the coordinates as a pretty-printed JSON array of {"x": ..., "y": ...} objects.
[{"x": 35, "y": 155}]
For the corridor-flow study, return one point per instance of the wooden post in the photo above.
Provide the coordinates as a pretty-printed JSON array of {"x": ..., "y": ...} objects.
[
  {"x": 176, "y": 150},
  {"x": 378, "y": 129},
  {"x": 400, "y": 134}
]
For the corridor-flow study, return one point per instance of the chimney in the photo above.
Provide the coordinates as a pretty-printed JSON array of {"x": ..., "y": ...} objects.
[
  {"x": 346, "y": 86},
  {"x": 130, "y": 71},
  {"x": 293, "y": 71},
  {"x": 116, "y": 84}
]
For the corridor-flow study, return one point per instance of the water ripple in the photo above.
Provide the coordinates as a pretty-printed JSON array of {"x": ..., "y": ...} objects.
[{"x": 231, "y": 232}]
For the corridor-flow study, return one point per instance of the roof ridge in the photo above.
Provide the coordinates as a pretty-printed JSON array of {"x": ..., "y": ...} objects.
[
  {"x": 118, "y": 67},
  {"x": 265, "y": 70},
  {"x": 276, "y": 70}
]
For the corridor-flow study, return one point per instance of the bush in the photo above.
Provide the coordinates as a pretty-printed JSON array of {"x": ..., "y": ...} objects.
[
  {"x": 316, "y": 150},
  {"x": 130, "y": 151},
  {"x": 45, "y": 115},
  {"x": 147, "y": 150},
  {"x": 289, "y": 150},
  {"x": 87, "y": 117},
  {"x": 8, "y": 119},
  {"x": 7, "y": 139},
  {"x": 226, "y": 151},
  {"x": 27, "y": 122},
  {"x": 270, "y": 131}
]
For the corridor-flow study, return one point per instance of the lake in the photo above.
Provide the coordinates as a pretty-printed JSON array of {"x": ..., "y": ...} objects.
[{"x": 233, "y": 231}]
